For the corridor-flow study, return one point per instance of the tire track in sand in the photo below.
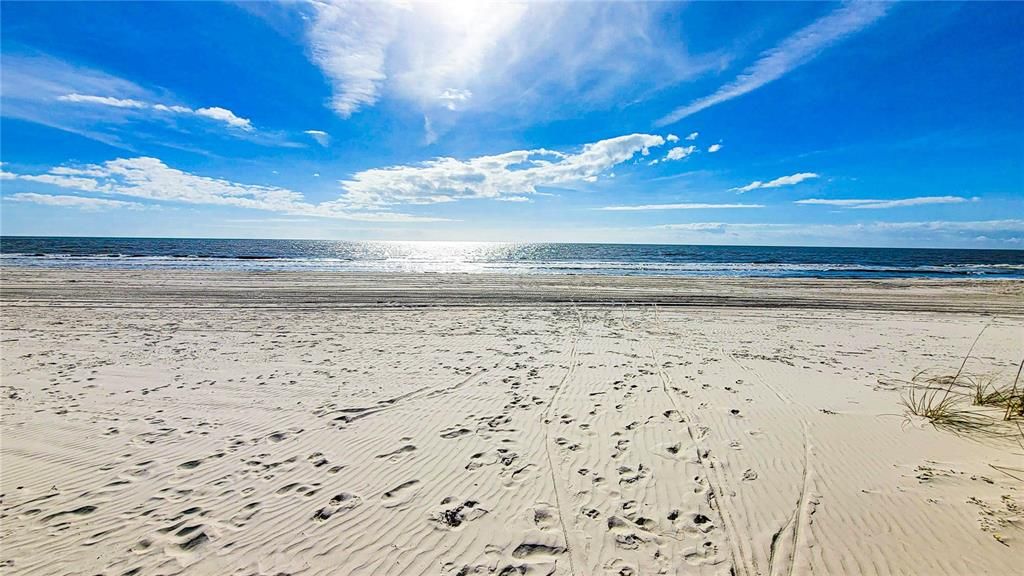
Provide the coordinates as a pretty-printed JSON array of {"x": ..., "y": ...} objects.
[
  {"x": 716, "y": 494},
  {"x": 786, "y": 540},
  {"x": 545, "y": 419}
]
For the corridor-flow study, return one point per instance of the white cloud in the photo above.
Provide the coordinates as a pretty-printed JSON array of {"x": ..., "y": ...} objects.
[
  {"x": 515, "y": 199},
  {"x": 714, "y": 148},
  {"x": 507, "y": 57},
  {"x": 429, "y": 135},
  {"x": 794, "y": 51},
  {"x": 672, "y": 138},
  {"x": 790, "y": 180},
  {"x": 369, "y": 194},
  {"x": 174, "y": 108},
  {"x": 684, "y": 206},
  {"x": 453, "y": 97},
  {"x": 914, "y": 233},
  {"x": 515, "y": 173},
  {"x": 103, "y": 100},
  {"x": 64, "y": 180},
  {"x": 765, "y": 232},
  {"x": 680, "y": 152},
  {"x": 1008, "y": 225},
  {"x": 226, "y": 116},
  {"x": 837, "y": 202},
  {"x": 31, "y": 85},
  {"x": 214, "y": 112},
  {"x": 322, "y": 138},
  {"x": 105, "y": 108},
  {"x": 693, "y": 136},
  {"x": 72, "y": 201},
  {"x": 864, "y": 203},
  {"x": 151, "y": 179},
  {"x": 349, "y": 42}
]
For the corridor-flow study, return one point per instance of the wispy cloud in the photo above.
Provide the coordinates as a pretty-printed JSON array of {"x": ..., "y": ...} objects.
[
  {"x": 693, "y": 136},
  {"x": 516, "y": 173},
  {"x": 103, "y": 100},
  {"x": 108, "y": 109},
  {"x": 217, "y": 113},
  {"x": 224, "y": 115},
  {"x": 779, "y": 182},
  {"x": 913, "y": 233},
  {"x": 31, "y": 84},
  {"x": 152, "y": 180},
  {"x": 794, "y": 51},
  {"x": 683, "y": 206},
  {"x": 864, "y": 203},
  {"x": 81, "y": 202},
  {"x": 1007, "y": 225},
  {"x": 322, "y": 138},
  {"x": 349, "y": 42},
  {"x": 714, "y": 148},
  {"x": 453, "y": 98},
  {"x": 447, "y": 58},
  {"x": 5, "y": 175}
]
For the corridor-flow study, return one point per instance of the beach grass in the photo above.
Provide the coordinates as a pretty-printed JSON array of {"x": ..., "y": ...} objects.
[{"x": 966, "y": 404}]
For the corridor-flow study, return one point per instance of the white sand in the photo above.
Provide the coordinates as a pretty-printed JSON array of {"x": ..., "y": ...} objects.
[{"x": 212, "y": 423}]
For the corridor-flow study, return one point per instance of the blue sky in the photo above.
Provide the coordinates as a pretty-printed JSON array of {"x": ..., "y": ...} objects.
[{"x": 870, "y": 124}]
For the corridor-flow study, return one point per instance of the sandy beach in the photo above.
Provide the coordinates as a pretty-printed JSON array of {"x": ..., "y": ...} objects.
[{"x": 200, "y": 422}]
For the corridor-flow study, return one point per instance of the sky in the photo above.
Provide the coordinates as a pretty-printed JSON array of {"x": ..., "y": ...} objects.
[{"x": 846, "y": 124}]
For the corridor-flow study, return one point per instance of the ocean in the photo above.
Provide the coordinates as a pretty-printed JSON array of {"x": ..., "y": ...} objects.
[{"x": 515, "y": 258}]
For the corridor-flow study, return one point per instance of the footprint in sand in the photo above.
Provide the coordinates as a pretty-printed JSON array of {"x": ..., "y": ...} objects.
[
  {"x": 399, "y": 494},
  {"x": 453, "y": 513},
  {"x": 618, "y": 567},
  {"x": 519, "y": 475},
  {"x": 281, "y": 435},
  {"x": 703, "y": 523},
  {"x": 397, "y": 454},
  {"x": 317, "y": 459},
  {"x": 673, "y": 415},
  {"x": 242, "y": 517},
  {"x": 537, "y": 550},
  {"x": 625, "y": 537},
  {"x": 80, "y": 511},
  {"x": 298, "y": 488},
  {"x": 454, "y": 432},
  {"x": 340, "y": 502},
  {"x": 544, "y": 516},
  {"x": 189, "y": 465}
]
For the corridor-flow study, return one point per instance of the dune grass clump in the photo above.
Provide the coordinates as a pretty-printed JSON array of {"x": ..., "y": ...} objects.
[
  {"x": 1015, "y": 399},
  {"x": 967, "y": 404},
  {"x": 947, "y": 410}
]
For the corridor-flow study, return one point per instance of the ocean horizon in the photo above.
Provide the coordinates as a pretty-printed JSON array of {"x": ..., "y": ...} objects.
[{"x": 510, "y": 257}]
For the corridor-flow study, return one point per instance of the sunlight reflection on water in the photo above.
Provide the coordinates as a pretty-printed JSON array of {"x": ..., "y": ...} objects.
[{"x": 516, "y": 258}]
